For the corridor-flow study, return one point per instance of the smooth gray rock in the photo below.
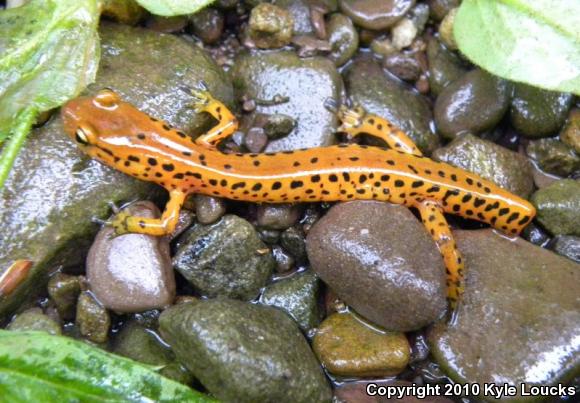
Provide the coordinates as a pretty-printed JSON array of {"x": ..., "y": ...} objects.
[
  {"x": 558, "y": 207},
  {"x": 379, "y": 259}
]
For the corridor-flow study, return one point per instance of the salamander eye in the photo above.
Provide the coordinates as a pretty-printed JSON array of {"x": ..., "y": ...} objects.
[
  {"x": 81, "y": 137},
  {"x": 106, "y": 98}
]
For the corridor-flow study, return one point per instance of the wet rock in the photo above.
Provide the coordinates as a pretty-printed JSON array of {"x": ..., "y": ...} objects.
[
  {"x": 571, "y": 132},
  {"x": 542, "y": 179},
  {"x": 378, "y": 258},
  {"x": 554, "y": 156},
  {"x": 440, "y": 8},
  {"x": 224, "y": 259},
  {"x": 270, "y": 26},
  {"x": 558, "y": 207},
  {"x": 419, "y": 15},
  {"x": 126, "y": 12},
  {"x": 209, "y": 209},
  {"x": 132, "y": 272},
  {"x": 349, "y": 347},
  {"x": 343, "y": 38},
  {"x": 34, "y": 319},
  {"x": 514, "y": 294},
  {"x": 293, "y": 241},
  {"x": 444, "y": 66},
  {"x": 270, "y": 236},
  {"x": 184, "y": 221},
  {"x": 92, "y": 319},
  {"x": 207, "y": 24},
  {"x": 166, "y": 24},
  {"x": 309, "y": 46},
  {"x": 538, "y": 113},
  {"x": 403, "y": 33},
  {"x": 567, "y": 246},
  {"x": 382, "y": 46},
  {"x": 141, "y": 344},
  {"x": 474, "y": 103},
  {"x": 357, "y": 392},
  {"x": 263, "y": 76},
  {"x": 535, "y": 234},
  {"x": 278, "y": 216},
  {"x": 301, "y": 15},
  {"x": 375, "y": 14},
  {"x": 276, "y": 125},
  {"x": 284, "y": 261},
  {"x": 244, "y": 353},
  {"x": 54, "y": 189},
  {"x": 404, "y": 66},
  {"x": 297, "y": 296},
  {"x": 64, "y": 291},
  {"x": 507, "y": 169},
  {"x": 255, "y": 140},
  {"x": 446, "y": 29},
  {"x": 383, "y": 95}
]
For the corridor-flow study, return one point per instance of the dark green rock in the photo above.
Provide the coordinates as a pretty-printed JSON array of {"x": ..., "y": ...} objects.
[
  {"x": 54, "y": 190},
  {"x": 378, "y": 259},
  {"x": 92, "y": 319},
  {"x": 293, "y": 241},
  {"x": 270, "y": 26},
  {"x": 554, "y": 156},
  {"x": 567, "y": 246},
  {"x": 224, "y": 259},
  {"x": 538, "y": 113},
  {"x": 297, "y": 296},
  {"x": 277, "y": 216},
  {"x": 444, "y": 66},
  {"x": 382, "y": 94},
  {"x": 558, "y": 207},
  {"x": 300, "y": 11},
  {"x": 243, "y": 352},
  {"x": 64, "y": 291},
  {"x": 440, "y": 8},
  {"x": 508, "y": 169},
  {"x": 343, "y": 38},
  {"x": 571, "y": 132},
  {"x": 515, "y": 315},
  {"x": 473, "y": 103},
  {"x": 34, "y": 319},
  {"x": 276, "y": 125},
  {"x": 265, "y": 75}
]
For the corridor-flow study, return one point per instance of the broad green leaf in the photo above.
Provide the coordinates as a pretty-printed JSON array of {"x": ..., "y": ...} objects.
[
  {"x": 535, "y": 42},
  {"x": 170, "y": 8},
  {"x": 38, "y": 367},
  {"x": 49, "y": 52}
]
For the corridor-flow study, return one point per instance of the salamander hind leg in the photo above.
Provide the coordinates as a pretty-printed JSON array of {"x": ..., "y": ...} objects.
[
  {"x": 124, "y": 223},
  {"x": 435, "y": 223},
  {"x": 227, "y": 122},
  {"x": 356, "y": 121}
]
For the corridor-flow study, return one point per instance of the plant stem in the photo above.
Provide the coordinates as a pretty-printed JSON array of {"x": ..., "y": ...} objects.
[{"x": 25, "y": 120}]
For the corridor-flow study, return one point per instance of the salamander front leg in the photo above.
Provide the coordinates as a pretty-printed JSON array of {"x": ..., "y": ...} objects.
[
  {"x": 434, "y": 221},
  {"x": 124, "y": 223},
  {"x": 227, "y": 122},
  {"x": 356, "y": 121}
]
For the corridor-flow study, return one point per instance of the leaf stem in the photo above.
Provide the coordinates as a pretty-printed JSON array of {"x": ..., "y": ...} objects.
[{"x": 25, "y": 120}]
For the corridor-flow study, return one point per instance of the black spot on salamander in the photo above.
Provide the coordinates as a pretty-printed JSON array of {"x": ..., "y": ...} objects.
[
  {"x": 187, "y": 153},
  {"x": 469, "y": 181},
  {"x": 466, "y": 198},
  {"x": 456, "y": 207},
  {"x": 166, "y": 127},
  {"x": 354, "y": 158},
  {"x": 362, "y": 178},
  {"x": 276, "y": 185},
  {"x": 127, "y": 163},
  {"x": 433, "y": 189},
  {"x": 524, "y": 220},
  {"x": 385, "y": 178},
  {"x": 441, "y": 174},
  {"x": 315, "y": 178},
  {"x": 158, "y": 174},
  {"x": 512, "y": 217},
  {"x": 257, "y": 187},
  {"x": 412, "y": 168},
  {"x": 332, "y": 178},
  {"x": 314, "y": 160},
  {"x": 399, "y": 183},
  {"x": 256, "y": 163},
  {"x": 417, "y": 184},
  {"x": 133, "y": 158},
  {"x": 346, "y": 176},
  {"x": 181, "y": 134},
  {"x": 360, "y": 191},
  {"x": 454, "y": 177},
  {"x": 168, "y": 167},
  {"x": 503, "y": 211},
  {"x": 478, "y": 202},
  {"x": 296, "y": 184},
  {"x": 239, "y": 185},
  {"x": 391, "y": 162},
  {"x": 469, "y": 212},
  {"x": 493, "y": 206},
  {"x": 227, "y": 166},
  {"x": 178, "y": 176},
  {"x": 309, "y": 191},
  {"x": 223, "y": 182},
  {"x": 152, "y": 161},
  {"x": 107, "y": 151},
  {"x": 213, "y": 182},
  {"x": 325, "y": 192},
  {"x": 194, "y": 174}
]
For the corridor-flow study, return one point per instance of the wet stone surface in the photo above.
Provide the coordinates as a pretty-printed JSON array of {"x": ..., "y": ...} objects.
[
  {"x": 34, "y": 320},
  {"x": 263, "y": 76},
  {"x": 347, "y": 346},
  {"x": 209, "y": 209},
  {"x": 132, "y": 272},
  {"x": 508, "y": 169},
  {"x": 503, "y": 276},
  {"x": 224, "y": 259},
  {"x": 473, "y": 103},
  {"x": 343, "y": 38},
  {"x": 558, "y": 207},
  {"x": 388, "y": 269},
  {"x": 244, "y": 353},
  {"x": 64, "y": 290},
  {"x": 54, "y": 228},
  {"x": 270, "y": 26},
  {"x": 567, "y": 246},
  {"x": 444, "y": 66},
  {"x": 381, "y": 94},
  {"x": 92, "y": 319},
  {"x": 375, "y": 14},
  {"x": 554, "y": 156}
]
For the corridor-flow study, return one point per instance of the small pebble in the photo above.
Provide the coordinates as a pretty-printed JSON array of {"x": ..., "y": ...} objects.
[
  {"x": 446, "y": 29},
  {"x": 571, "y": 132},
  {"x": 166, "y": 24},
  {"x": 375, "y": 14},
  {"x": 209, "y": 209},
  {"x": 207, "y": 24},
  {"x": 343, "y": 38},
  {"x": 567, "y": 246},
  {"x": 34, "y": 320},
  {"x": 404, "y": 66},
  {"x": 284, "y": 261},
  {"x": 64, "y": 291},
  {"x": 255, "y": 140},
  {"x": 270, "y": 26},
  {"x": 92, "y": 318},
  {"x": 278, "y": 216},
  {"x": 404, "y": 33},
  {"x": 554, "y": 156},
  {"x": 293, "y": 241}
]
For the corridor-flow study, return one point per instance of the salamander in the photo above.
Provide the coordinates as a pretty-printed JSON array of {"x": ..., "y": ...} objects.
[{"x": 121, "y": 136}]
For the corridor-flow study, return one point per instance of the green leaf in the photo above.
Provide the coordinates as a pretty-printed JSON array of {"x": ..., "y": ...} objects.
[
  {"x": 170, "y": 8},
  {"x": 535, "y": 42},
  {"x": 38, "y": 367}
]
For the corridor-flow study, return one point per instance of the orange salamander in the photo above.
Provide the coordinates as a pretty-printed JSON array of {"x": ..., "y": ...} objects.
[{"x": 119, "y": 135}]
